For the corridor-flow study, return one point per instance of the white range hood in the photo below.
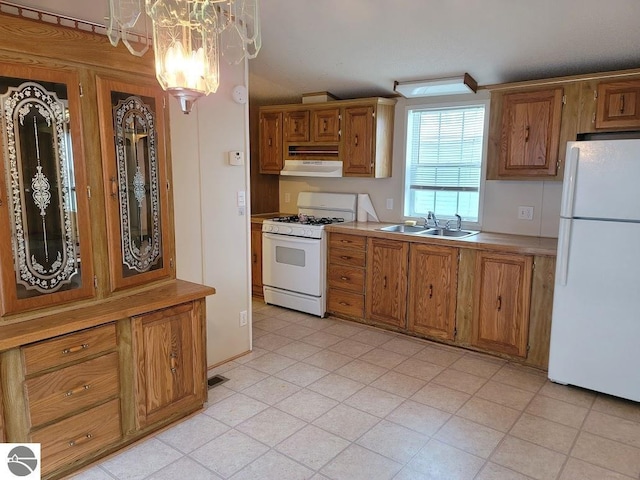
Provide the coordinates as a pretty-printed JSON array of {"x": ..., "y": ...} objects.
[{"x": 312, "y": 168}]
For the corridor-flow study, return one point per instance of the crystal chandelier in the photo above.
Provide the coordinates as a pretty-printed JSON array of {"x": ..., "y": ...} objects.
[{"x": 188, "y": 38}]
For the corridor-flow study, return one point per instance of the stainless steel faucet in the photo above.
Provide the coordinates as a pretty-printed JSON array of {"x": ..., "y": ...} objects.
[
  {"x": 458, "y": 223},
  {"x": 431, "y": 216}
]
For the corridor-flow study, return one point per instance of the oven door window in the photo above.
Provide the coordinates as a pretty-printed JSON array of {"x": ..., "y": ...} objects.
[
  {"x": 293, "y": 263},
  {"x": 290, "y": 256}
]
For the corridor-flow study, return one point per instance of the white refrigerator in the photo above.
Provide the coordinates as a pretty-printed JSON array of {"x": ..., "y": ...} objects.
[{"x": 595, "y": 329}]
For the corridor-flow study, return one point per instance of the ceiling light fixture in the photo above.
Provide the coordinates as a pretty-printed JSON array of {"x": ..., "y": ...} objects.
[
  {"x": 189, "y": 36},
  {"x": 436, "y": 86}
]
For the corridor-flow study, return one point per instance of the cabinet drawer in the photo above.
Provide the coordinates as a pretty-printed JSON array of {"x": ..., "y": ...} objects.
[
  {"x": 69, "y": 389},
  {"x": 347, "y": 303},
  {"x": 354, "y": 258},
  {"x": 347, "y": 278},
  {"x": 340, "y": 240},
  {"x": 61, "y": 350},
  {"x": 79, "y": 436}
]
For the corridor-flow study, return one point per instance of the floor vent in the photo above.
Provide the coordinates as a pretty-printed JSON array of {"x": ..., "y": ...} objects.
[{"x": 216, "y": 380}]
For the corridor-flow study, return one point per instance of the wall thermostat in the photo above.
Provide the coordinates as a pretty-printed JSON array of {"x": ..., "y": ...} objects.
[
  {"x": 236, "y": 158},
  {"x": 239, "y": 94}
]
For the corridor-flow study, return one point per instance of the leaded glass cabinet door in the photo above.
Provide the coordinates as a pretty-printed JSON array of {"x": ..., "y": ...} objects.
[
  {"x": 45, "y": 233},
  {"x": 132, "y": 126}
]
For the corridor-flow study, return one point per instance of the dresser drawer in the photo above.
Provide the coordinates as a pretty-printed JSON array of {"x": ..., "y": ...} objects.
[
  {"x": 59, "y": 393},
  {"x": 79, "y": 436},
  {"x": 340, "y": 240},
  {"x": 69, "y": 348},
  {"x": 347, "y": 278},
  {"x": 354, "y": 258},
  {"x": 346, "y": 303}
]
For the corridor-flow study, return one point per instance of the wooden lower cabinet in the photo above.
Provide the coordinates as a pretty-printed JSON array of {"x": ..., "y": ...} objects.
[
  {"x": 502, "y": 301},
  {"x": 346, "y": 274},
  {"x": 169, "y": 353},
  {"x": 386, "y": 299},
  {"x": 256, "y": 259},
  {"x": 75, "y": 437},
  {"x": 91, "y": 380},
  {"x": 432, "y": 290}
]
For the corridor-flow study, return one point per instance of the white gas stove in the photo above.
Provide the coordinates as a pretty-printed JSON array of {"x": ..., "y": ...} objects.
[{"x": 294, "y": 251}]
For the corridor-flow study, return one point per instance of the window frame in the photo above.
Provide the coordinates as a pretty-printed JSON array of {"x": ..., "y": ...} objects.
[{"x": 440, "y": 103}]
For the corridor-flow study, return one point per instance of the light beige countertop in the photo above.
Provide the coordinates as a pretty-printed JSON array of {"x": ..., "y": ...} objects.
[{"x": 502, "y": 242}]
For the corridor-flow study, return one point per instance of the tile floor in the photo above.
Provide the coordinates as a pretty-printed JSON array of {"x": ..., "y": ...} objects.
[{"x": 327, "y": 399}]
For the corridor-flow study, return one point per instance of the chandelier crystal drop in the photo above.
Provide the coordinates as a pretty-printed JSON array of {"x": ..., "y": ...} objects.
[{"x": 189, "y": 36}]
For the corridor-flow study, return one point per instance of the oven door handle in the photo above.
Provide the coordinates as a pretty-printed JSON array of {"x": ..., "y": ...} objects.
[{"x": 290, "y": 238}]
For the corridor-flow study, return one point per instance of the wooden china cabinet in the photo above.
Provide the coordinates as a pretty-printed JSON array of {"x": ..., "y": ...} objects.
[{"x": 100, "y": 344}]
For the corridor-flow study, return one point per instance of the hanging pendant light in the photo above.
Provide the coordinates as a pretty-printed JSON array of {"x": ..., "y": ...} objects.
[{"x": 189, "y": 36}]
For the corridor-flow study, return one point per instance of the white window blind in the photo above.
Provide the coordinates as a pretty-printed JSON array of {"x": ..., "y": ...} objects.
[{"x": 444, "y": 161}]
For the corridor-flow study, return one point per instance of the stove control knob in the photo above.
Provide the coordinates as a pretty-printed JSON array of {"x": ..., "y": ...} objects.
[
  {"x": 308, "y": 232},
  {"x": 274, "y": 229},
  {"x": 287, "y": 230}
]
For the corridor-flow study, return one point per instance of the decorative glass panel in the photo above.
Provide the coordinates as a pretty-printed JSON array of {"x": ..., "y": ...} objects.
[
  {"x": 137, "y": 183},
  {"x": 39, "y": 177}
]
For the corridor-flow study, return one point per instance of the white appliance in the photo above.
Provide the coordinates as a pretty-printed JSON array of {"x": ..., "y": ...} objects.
[
  {"x": 595, "y": 330},
  {"x": 294, "y": 251},
  {"x": 312, "y": 168}
]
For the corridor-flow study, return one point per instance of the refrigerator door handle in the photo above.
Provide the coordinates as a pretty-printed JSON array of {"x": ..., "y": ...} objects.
[
  {"x": 564, "y": 240},
  {"x": 569, "y": 190}
]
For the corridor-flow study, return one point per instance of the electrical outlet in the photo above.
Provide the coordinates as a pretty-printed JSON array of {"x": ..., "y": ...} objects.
[
  {"x": 525, "y": 213},
  {"x": 287, "y": 197},
  {"x": 243, "y": 318},
  {"x": 389, "y": 203}
]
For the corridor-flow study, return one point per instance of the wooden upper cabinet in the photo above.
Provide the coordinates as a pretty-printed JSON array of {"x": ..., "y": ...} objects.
[
  {"x": 386, "y": 294},
  {"x": 502, "y": 302},
  {"x": 168, "y": 349},
  {"x": 296, "y": 126},
  {"x": 132, "y": 133},
  {"x": 325, "y": 125},
  {"x": 270, "y": 133},
  {"x": 45, "y": 228},
  {"x": 618, "y": 105},
  {"x": 432, "y": 290},
  {"x": 530, "y": 133},
  {"x": 358, "y": 141}
]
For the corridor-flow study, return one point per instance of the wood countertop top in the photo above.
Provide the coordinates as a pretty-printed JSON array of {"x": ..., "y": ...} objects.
[
  {"x": 502, "y": 242},
  {"x": 114, "y": 308}
]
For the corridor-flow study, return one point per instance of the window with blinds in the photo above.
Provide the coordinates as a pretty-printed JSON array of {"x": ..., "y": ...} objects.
[{"x": 444, "y": 161}]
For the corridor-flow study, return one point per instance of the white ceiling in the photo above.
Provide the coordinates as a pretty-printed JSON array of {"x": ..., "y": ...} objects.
[{"x": 355, "y": 48}]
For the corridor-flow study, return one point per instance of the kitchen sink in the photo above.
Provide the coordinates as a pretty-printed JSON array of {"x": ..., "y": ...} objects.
[
  {"x": 441, "y": 232},
  {"x": 403, "y": 229}
]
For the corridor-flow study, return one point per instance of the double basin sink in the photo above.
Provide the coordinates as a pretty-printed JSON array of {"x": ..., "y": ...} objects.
[{"x": 434, "y": 232}]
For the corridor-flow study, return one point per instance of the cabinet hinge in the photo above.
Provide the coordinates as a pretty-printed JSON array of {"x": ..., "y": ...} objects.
[
  {"x": 164, "y": 102},
  {"x": 95, "y": 281},
  {"x": 168, "y": 186},
  {"x": 171, "y": 263},
  {"x": 80, "y": 89},
  {"x": 455, "y": 332},
  {"x": 89, "y": 192},
  {"x": 564, "y": 99},
  {"x": 593, "y": 119},
  {"x": 595, "y": 94}
]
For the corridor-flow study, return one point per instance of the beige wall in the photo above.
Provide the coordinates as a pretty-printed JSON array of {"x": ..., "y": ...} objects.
[
  {"x": 500, "y": 198},
  {"x": 212, "y": 238}
]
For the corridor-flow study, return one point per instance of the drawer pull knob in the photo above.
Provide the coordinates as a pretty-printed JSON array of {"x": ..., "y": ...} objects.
[
  {"x": 345, "y": 257},
  {"x": 77, "y": 390},
  {"x": 75, "y": 349},
  {"x": 344, "y": 278},
  {"x": 78, "y": 441},
  {"x": 344, "y": 304}
]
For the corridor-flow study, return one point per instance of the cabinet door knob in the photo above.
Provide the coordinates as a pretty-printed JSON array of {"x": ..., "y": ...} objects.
[
  {"x": 356, "y": 140},
  {"x": 114, "y": 187},
  {"x": 384, "y": 282},
  {"x": 499, "y": 303},
  {"x": 430, "y": 290},
  {"x": 526, "y": 133},
  {"x": 622, "y": 103}
]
